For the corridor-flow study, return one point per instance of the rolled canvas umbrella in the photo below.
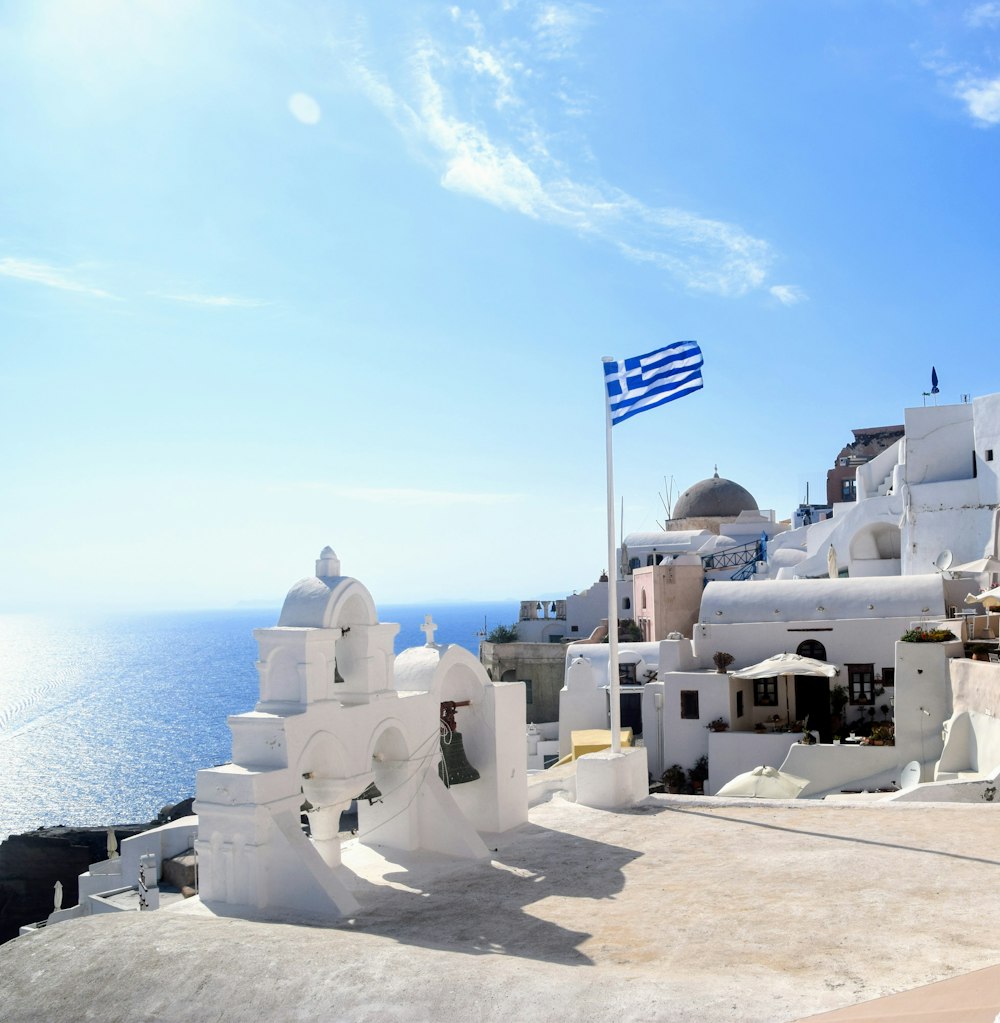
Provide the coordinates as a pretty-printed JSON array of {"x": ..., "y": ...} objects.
[
  {"x": 764, "y": 783},
  {"x": 991, "y": 598}
]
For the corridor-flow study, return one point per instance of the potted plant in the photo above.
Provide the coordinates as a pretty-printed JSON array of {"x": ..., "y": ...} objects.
[
  {"x": 698, "y": 775},
  {"x": 674, "y": 778},
  {"x": 882, "y": 735},
  {"x": 722, "y": 660},
  {"x": 718, "y": 725},
  {"x": 919, "y": 635},
  {"x": 808, "y": 739}
]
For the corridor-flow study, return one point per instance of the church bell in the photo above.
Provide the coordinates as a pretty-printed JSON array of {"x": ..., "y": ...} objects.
[
  {"x": 371, "y": 793},
  {"x": 455, "y": 768}
]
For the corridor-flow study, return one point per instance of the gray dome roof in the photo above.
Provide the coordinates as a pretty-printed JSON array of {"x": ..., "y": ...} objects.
[{"x": 715, "y": 497}]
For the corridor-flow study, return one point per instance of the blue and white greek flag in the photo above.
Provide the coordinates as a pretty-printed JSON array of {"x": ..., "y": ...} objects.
[{"x": 645, "y": 381}]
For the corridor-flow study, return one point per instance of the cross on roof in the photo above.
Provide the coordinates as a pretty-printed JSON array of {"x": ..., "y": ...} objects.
[{"x": 428, "y": 629}]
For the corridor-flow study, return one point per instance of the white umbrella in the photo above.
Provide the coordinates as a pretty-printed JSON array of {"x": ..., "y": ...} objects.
[
  {"x": 831, "y": 562},
  {"x": 764, "y": 783},
  {"x": 786, "y": 664},
  {"x": 977, "y": 567},
  {"x": 990, "y": 598}
]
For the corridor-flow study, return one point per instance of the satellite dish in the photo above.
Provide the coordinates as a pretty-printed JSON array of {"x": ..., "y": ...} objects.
[
  {"x": 910, "y": 776},
  {"x": 943, "y": 561}
]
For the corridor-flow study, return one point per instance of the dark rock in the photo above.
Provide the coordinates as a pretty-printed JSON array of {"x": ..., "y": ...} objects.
[{"x": 30, "y": 865}]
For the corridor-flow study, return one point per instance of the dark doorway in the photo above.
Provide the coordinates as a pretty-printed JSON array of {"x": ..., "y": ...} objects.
[
  {"x": 812, "y": 693},
  {"x": 632, "y": 712},
  {"x": 812, "y": 698}
]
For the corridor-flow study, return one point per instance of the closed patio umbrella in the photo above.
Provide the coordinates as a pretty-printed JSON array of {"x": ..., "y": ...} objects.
[
  {"x": 990, "y": 598},
  {"x": 764, "y": 783}
]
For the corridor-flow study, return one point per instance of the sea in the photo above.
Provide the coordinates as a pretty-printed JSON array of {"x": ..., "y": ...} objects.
[{"x": 105, "y": 719}]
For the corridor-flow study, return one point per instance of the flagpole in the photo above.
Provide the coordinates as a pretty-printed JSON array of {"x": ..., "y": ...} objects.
[
  {"x": 613, "y": 687},
  {"x": 632, "y": 386}
]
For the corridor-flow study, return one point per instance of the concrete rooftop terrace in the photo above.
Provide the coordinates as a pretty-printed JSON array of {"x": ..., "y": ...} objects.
[{"x": 682, "y": 908}]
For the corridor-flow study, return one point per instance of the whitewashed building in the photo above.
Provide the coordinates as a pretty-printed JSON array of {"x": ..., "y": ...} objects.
[{"x": 842, "y": 590}]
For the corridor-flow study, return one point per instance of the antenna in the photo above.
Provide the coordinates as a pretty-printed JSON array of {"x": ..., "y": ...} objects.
[
  {"x": 943, "y": 561},
  {"x": 667, "y": 502}
]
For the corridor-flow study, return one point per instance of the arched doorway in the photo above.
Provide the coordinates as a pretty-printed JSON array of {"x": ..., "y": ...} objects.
[{"x": 812, "y": 693}]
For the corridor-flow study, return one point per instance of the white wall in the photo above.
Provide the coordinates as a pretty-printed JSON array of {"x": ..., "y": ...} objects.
[
  {"x": 938, "y": 443},
  {"x": 972, "y": 743},
  {"x": 846, "y": 641},
  {"x": 732, "y": 753},
  {"x": 923, "y": 700},
  {"x": 833, "y": 768},
  {"x": 583, "y": 702},
  {"x": 686, "y": 739}
]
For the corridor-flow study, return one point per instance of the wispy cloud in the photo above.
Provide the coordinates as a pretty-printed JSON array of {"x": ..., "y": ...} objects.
[
  {"x": 217, "y": 301},
  {"x": 983, "y": 15},
  {"x": 788, "y": 294},
  {"x": 48, "y": 276},
  {"x": 558, "y": 26},
  {"x": 976, "y": 84},
  {"x": 981, "y": 97},
  {"x": 484, "y": 62},
  {"x": 510, "y": 164}
]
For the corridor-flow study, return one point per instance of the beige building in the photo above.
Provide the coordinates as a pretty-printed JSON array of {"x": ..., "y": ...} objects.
[{"x": 666, "y": 597}]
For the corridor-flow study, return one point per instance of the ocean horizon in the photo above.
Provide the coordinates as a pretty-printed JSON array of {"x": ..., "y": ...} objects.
[{"x": 106, "y": 718}]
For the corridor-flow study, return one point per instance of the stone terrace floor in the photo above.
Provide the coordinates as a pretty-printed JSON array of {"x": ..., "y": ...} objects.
[{"x": 682, "y": 908}]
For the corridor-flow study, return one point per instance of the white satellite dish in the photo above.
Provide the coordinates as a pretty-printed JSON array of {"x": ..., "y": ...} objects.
[
  {"x": 943, "y": 561},
  {"x": 910, "y": 777}
]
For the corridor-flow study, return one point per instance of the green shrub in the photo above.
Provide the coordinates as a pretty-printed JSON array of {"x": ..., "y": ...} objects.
[{"x": 502, "y": 634}]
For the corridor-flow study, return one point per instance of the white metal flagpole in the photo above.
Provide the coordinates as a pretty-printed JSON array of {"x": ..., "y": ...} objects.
[
  {"x": 613, "y": 687},
  {"x": 636, "y": 385}
]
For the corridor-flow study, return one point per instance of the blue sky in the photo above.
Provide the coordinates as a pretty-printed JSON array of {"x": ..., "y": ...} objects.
[{"x": 274, "y": 275}]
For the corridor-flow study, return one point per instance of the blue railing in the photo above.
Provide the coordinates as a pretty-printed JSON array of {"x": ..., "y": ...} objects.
[{"x": 743, "y": 558}]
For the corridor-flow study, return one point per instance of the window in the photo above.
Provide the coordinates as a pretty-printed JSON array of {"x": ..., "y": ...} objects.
[
  {"x": 626, "y": 603},
  {"x": 847, "y": 490},
  {"x": 888, "y": 676},
  {"x": 861, "y": 684},
  {"x": 527, "y": 690},
  {"x": 634, "y": 562},
  {"x": 812, "y": 648},
  {"x": 626, "y": 675},
  {"x": 574, "y": 628},
  {"x": 739, "y": 703},
  {"x": 642, "y": 601},
  {"x": 765, "y": 692},
  {"x": 989, "y": 454},
  {"x": 689, "y": 704}
]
